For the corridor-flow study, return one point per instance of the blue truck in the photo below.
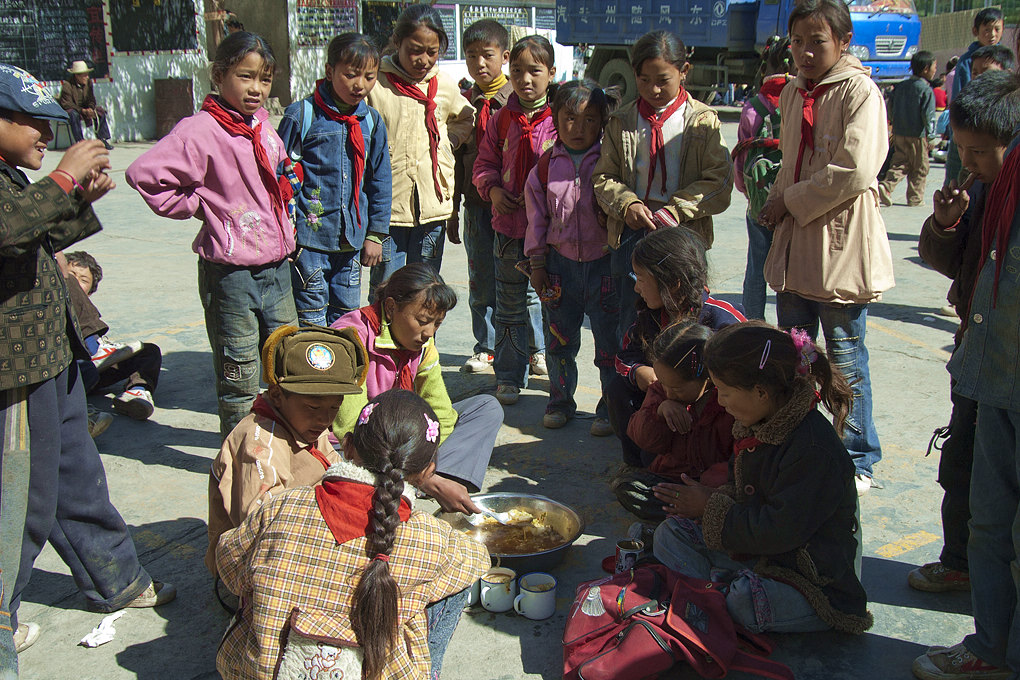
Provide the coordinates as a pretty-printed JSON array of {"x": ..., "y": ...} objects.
[{"x": 725, "y": 37}]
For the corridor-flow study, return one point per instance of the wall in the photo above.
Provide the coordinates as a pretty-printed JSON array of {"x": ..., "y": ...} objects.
[{"x": 270, "y": 19}]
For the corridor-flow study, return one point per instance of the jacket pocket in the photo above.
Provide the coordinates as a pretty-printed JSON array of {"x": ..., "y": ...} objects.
[{"x": 837, "y": 229}]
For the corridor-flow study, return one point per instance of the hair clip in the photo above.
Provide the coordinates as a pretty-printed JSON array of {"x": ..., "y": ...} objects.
[
  {"x": 366, "y": 412},
  {"x": 432, "y": 433},
  {"x": 664, "y": 258},
  {"x": 677, "y": 364},
  {"x": 765, "y": 354}
]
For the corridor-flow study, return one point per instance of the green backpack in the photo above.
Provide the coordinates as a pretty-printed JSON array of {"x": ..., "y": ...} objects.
[{"x": 761, "y": 165}]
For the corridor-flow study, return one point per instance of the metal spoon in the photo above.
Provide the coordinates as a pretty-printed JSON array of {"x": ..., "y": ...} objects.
[{"x": 501, "y": 517}]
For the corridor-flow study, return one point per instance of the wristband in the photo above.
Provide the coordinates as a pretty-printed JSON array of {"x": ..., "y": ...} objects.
[{"x": 69, "y": 176}]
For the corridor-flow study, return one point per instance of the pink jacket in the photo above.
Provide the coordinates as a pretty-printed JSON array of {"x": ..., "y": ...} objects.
[
  {"x": 199, "y": 170},
  {"x": 495, "y": 167},
  {"x": 562, "y": 213}
]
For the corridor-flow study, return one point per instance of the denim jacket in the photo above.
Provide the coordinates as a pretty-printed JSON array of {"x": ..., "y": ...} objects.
[{"x": 325, "y": 218}]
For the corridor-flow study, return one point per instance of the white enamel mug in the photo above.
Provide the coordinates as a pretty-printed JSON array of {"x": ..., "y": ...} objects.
[
  {"x": 499, "y": 586},
  {"x": 537, "y": 600}
]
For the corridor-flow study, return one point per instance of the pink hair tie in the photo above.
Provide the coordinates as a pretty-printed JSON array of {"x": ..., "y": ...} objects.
[
  {"x": 806, "y": 347},
  {"x": 382, "y": 557}
]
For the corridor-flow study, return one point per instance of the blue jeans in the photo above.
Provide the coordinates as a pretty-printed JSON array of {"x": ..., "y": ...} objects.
[
  {"x": 326, "y": 285},
  {"x": 621, "y": 270},
  {"x": 844, "y": 327},
  {"x": 478, "y": 238},
  {"x": 511, "y": 319},
  {"x": 243, "y": 305},
  {"x": 995, "y": 538},
  {"x": 586, "y": 288},
  {"x": 759, "y": 240},
  {"x": 407, "y": 245},
  {"x": 443, "y": 617}
]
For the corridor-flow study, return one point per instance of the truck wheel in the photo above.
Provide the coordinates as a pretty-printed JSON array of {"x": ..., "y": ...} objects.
[{"x": 618, "y": 72}]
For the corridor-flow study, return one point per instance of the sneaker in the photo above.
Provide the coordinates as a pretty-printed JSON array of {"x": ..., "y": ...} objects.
[
  {"x": 936, "y": 577},
  {"x": 99, "y": 421},
  {"x": 109, "y": 353},
  {"x": 863, "y": 484},
  {"x": 25, "y": 636},
  {"x": 554, "y": 420},
  {"x": 948, "y": 311},
  {"x": 955, "y": 662},
  {"x": 508, "y": 394},
  {"x": 158, "y": 593},
  {"x": 537, "y": 363},
  {"x": 135, "y": 403},
  {"x": 600, "y": 427},
  {"x": 478, "y": 363}
]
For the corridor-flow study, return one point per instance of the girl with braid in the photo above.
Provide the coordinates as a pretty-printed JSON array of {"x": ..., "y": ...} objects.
[{"x": 345, "y": 575}]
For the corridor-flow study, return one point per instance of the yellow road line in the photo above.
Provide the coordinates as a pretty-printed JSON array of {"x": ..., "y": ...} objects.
[
  {"x": 882, "y": 328},
  {"x": 906, "y": 544}
]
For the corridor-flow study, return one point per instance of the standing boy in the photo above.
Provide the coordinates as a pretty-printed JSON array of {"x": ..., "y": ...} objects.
[{"x": 912, "y": 112}]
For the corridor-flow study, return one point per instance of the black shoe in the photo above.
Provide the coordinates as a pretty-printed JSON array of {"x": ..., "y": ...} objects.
[{"x": 106, "y": 143}]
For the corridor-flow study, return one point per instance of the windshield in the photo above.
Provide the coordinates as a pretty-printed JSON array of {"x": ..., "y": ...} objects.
[{"x": 879, "y": 6}]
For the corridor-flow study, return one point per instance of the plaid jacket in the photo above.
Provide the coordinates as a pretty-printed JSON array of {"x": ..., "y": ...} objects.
[
  {"x": 283, "y": 557},
  {"x": 36, "y": 221}
]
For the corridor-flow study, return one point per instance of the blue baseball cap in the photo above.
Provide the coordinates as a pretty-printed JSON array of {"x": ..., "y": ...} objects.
[{"x": 20, "y": 91}]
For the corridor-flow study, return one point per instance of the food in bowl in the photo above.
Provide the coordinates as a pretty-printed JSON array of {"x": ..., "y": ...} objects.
[{"x": 525, "y": 533}]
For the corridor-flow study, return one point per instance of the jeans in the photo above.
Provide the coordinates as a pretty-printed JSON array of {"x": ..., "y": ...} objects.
[
  {"x": 478, "y": 238},
  {"x": 326, "y": 285},
  {"x": 511, "y": 317},
  {"x": 407, "y": 245},
  {"x": 995, "y": 538},
  {"x": 759, "y": 240},
  {"x": 621, "y": 269},
  {"x": 844, "y": 327},
  {"x": 8, "y": 654},
  {"x": 955, "y": 467},
  {"x": 586, "y": 288},
  {"x": 623, "y": 401},
  {"x": 759, "y": 604},
  {"x": 443, "y": 617},
  {"x": 243, "y": 305}
]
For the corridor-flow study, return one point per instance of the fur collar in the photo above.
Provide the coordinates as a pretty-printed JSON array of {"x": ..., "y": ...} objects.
[
  {"x": 778, "y": 428},
  {"x": 346, "y": 469}
]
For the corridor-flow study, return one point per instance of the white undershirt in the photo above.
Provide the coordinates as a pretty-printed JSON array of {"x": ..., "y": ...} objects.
[{"x": 672, "y": 135}]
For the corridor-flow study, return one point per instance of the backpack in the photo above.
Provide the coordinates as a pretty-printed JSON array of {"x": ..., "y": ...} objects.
[
  {"x": 763, "y": 160},
  {"x": 642, "y": 622}
]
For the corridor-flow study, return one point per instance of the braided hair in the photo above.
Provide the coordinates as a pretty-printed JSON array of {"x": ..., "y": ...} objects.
[{"x": 396, "y": 437}]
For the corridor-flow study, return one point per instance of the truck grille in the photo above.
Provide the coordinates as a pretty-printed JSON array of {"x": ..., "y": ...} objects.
[{"x": 889, "y": 45}]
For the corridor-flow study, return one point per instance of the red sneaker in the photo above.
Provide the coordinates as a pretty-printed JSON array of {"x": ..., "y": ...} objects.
[
  {"x": 956, "y": 663},
  {"x": 936, "y": 577}
]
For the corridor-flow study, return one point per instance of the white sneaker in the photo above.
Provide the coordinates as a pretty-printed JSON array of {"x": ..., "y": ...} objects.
[
  {"x": 135, "y": 403},
  {"x": 863, "y": 484},
  {"x": 537, "y": 363},
  {"x": 25, "y": 636},
  {"x": 478, "y": 363},
  {"x": 99, "y": 421},
  {"x": 109, "y": 353}
]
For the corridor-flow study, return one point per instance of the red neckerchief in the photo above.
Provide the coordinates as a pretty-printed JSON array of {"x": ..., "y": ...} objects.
[
  {"x": 429, "y": 100},
  {"x": 356, "y": 139},
  {"x": 240, "y": 129},
  {"x": 999, "y": 211},
  {"x": 405, "y": 376},
  {"x": 746, "y": 444},
  {"x": 525, "y": 147},
  {"x": 263, "y": 408},
  {"x": 484, "y": 114},
  {"x": 807, "y": 122},
  {"x": 658, "y": 143},
  {"x": 347, "y": 508}
]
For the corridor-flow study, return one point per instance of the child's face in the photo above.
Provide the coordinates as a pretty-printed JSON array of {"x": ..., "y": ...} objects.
[
  {"x": 485, "y": 61},
  {"x": 748, "y": 407},
  {"x": 989, "y": 33},
  {"x": 83, "y": 275},
  {"x": 413, "y": 323},
  {"x": 659, "y": 82},
  {"x": 350, "y": 83},
  {"x": 980, "y": 153},
  {"x": 676, "y": 388},
  {"x": 530, "y": 77},
  {"x": 419, "y": 52},
  {"x": 646, "y": 286},
  {"x": 579, "y": 131},
  {"x": 246, "y": 85},
  {"x": 815, "y": 48},
  {"x": 929, "y": 72},
  {"x": 23, "y": 140},
  {"x": 308, "y": 416}
]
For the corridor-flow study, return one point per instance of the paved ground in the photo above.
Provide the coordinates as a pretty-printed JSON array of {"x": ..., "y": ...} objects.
[{"x": 158, "y": 471}]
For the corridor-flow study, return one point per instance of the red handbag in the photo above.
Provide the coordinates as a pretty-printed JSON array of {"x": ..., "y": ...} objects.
[{"x": 641, "y": 623}]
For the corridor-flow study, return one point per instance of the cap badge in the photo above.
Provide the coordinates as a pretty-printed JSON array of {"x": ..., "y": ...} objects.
[{"x": 319, "y": 357}]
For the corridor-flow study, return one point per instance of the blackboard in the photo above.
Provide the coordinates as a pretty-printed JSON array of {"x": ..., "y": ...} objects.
[
  {"x": 153, "y": 25},
  {"x": 545, "y": 18},
  {"x": 377, "y": 19},
  {"x": 318, "y": 21},
  {"x": 45, "y": 36},
  {"x": 449, "y": 15}
]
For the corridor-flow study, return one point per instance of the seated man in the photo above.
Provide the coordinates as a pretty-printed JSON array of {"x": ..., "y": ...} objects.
[{"x": 79, "y": 100}]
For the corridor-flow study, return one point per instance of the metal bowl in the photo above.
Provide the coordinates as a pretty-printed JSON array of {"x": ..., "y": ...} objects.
[{"x": 559, "y": 516}]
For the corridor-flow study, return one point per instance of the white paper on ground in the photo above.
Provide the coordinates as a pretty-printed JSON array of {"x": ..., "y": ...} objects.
[{"x": 102, "y": 633}]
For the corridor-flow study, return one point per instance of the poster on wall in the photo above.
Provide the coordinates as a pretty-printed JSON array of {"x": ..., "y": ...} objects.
[
  {"x": 153, "y": 25},
  {"x": 377, "y": 19},
  {"x": 45, "y": 36},
  {"x": 545, "y": 18},
  {"x": 318, "y": 21},
  {"x": 449, "y": 15}
]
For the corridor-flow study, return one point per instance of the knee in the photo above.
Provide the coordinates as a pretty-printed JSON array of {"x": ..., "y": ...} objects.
[{"x": 487, "y": 411}]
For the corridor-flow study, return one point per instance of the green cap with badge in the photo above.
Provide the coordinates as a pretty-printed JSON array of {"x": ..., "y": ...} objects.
[{"x": 315, "y": 360}]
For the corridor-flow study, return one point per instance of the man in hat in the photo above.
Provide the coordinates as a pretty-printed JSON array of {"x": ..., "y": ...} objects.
[
  {"x": 79, "y": 100},
  {"x": 284, "y": 442},
  {"x": 43, "y": 422}
]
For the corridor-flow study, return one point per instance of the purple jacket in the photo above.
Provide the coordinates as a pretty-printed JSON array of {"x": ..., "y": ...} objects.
[
  {"x": 562, "y": 213},
  {"x": 199, "y": 170},
  {"x": 495, "y": 167}
]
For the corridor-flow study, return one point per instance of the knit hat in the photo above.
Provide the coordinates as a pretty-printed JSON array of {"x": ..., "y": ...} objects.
[
  {"x": 21, "y": 92},
  {"x": 315, "y": 360}
]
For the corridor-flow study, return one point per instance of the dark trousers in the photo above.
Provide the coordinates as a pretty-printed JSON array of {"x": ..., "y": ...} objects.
[
  {"x": 954, "y": 477},
  {"x": 623, "y": 400},
  {"x": 140, "y": 370},
  {"x": 98, "y": 123}
]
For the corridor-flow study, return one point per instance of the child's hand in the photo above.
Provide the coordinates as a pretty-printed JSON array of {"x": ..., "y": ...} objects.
[
  {"x": 539, "y": 280},
  {"x": 452, "y": 496},
  {"x": 686, "y": 500},
  {"x": 503, "y": 202},
  {"x": 453, "y": 229},
  {"x": 371, "y": 253},
  {"x": 676, "y": 415},
  {"x": 97, "y": 186},
  {"x": 644, "y": 376},
  {"x": 772, "y": 214},
  {"x": 951, "y": 202},
  {"x": 639, "y": 216},
  {"x": 84, "y": 158}
]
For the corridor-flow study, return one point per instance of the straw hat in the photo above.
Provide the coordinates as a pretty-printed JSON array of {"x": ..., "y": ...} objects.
[{"x": 79, "y": 67}]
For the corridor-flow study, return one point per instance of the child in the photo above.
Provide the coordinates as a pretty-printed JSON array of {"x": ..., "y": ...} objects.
[
  {"x": 514, "y": 139},
  {"x": 567, "y": 248},
  {"x": 42, "y": 401},
  {"x": 912, "y": 109},
  {"x": 284, "y": 442},
  {"x": 680, "y": 428},
  {"x": 220, "y": 166},
  {"x": 426, "y": 119},
  {"x": 486, "y": 50},
  {"x": 343, "y": 209},
  {"x": 991, "y": 58},
  {"x": 759, "y": 133},
  {"x": 350, "y": 562},
  {"x": 784, "y": 534},
  {"x": 78, "y": 98},
  {"x": 938, "y": 89},
  {"x": 671, "y": 278},
  {"x": 830, "y": 254},
  {"x": 663, "y": 160}
]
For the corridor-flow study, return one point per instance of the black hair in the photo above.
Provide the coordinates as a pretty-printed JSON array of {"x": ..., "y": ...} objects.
[
  {"x": 410, "y": 281},
  {"x": 576, "y": 95},
  {"x": 987, "y": 16},
  {"x": 352, "y": 48},
  {"x": 488, "y": 32},
  {"x": 675, "y": 259},
  {"x": 1000, "y": 54},
  {"x": 921, "y": 61},
  {"x": 417, "y": 16},
  {"x": 80, "y": 258},
  {"x": 990, "y": 105},
  {"x": 235, "y": 47},
  {"x": 951, "y": 64},
  {"x": 681, "y": 346},
  {"x": 776, "y": 58},
  {"x": 832, "y": 12},
  {"x": 539, "y": 48},
  {"x": 658, "y": 45},
  {"x": 938, "y": 81},
  {"x": 398, "y": 439},
  {"x": 233, "y": 22}
]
